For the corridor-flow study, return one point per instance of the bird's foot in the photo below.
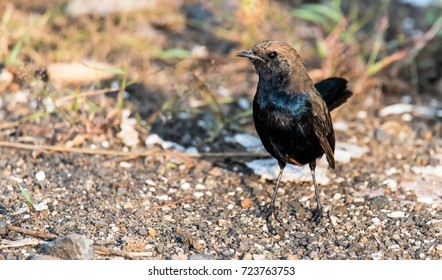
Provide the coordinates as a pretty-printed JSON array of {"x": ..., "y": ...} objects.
[
  {"x": 317, "y": 215},
  {"x": 269, "y": 212}
]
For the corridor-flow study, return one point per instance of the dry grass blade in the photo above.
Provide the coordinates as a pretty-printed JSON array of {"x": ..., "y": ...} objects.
[
  {"x": 129, "y": 155},
  {"x": 20, "y": 243}
]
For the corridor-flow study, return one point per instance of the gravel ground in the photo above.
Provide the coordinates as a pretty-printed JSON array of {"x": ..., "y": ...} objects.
[{"x": 160, "y": 207}]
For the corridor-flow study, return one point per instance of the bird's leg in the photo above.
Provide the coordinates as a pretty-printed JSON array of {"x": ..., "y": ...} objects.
[
  {"x": 317, "y": 213},
  {"x": 271, "y": 209}
]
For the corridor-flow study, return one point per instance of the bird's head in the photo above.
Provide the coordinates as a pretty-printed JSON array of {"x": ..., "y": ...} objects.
[{"x": 273, "y": 57}]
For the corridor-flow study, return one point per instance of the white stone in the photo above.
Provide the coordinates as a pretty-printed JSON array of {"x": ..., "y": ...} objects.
[
  {"x": 198, "y": 194},
  {"x": 425, "y": 199},
  {"x": 396, "y": 215},
  {"x": 185, "y": 186},
  {"x": 40, "y": 176}
]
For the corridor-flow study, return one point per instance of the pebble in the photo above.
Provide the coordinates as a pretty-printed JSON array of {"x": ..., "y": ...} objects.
[
  {"x": 209, "y": 193},
  {"x": 115, "y": 229},
  {"x": 150, "y": 182},
  {"x": 187, "y": 207},
  {"x": 125, "y": 164},
  {"x": 230, "y": 206},
  {"x": 40, "y": 176},
  {"x": 334, "y": 220},
  {"x": 164, "y": 197},
  {"x": 185, "y": 186},
  {"x": 248, "y": 256},
  {"x": 246, "y": 203},
  {"x": 337, "y": 196},
  {"x": 392, "y": 184},
  {"x": 3, "y": 227},
  {"x": 200, "y": 187},
  {"x": 425, "y": 199},
  {"x": 257, "y": 257},
  {"x": 396, "y": 215},
  {"x": 152, "y": 232},
  {"x": 128, "y": 205},
  {"x": 70, "y": 247},
  {"x": 198, "y": 194}
]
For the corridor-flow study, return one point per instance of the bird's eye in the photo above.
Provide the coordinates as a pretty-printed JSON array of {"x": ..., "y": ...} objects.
[{"x": 272, "y": 54}]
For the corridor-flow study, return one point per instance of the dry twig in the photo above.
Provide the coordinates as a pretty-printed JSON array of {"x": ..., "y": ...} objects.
[{"x": 35, "y": 233}]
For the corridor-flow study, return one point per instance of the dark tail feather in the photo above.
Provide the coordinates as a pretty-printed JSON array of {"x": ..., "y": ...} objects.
[{"x": 334, "y": 92}]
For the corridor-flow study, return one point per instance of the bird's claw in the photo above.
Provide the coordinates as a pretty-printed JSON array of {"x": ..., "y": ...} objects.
[
  {"x": 269, "y": 212},
  {"x": 317, "y": 215}
]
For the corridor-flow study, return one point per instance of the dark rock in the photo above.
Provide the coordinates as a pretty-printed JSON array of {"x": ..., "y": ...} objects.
[
  {"x": 3, "y": 227},
  {"x": 379, "y": 202},
  {"x": 70, "y": 247}
]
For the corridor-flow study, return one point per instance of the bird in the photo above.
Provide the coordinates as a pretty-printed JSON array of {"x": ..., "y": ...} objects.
[{"x": 292, "y": 114}]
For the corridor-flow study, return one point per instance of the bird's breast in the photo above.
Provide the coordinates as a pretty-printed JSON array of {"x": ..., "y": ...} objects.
[{"x": 281, "y": 109}]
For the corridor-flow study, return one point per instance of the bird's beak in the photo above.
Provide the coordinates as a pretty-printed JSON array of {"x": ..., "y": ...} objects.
[{"x": 249, "y": 55}]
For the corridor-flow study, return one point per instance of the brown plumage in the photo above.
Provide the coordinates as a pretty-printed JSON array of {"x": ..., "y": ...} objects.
[{"x": 291, "y": 114}]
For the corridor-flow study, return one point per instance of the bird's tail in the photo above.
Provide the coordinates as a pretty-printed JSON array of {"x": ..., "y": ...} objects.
[{"x": 334, "y": 92}]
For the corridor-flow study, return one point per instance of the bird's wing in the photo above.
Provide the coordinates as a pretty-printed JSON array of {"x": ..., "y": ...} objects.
[{"x": 323, "y": 129}]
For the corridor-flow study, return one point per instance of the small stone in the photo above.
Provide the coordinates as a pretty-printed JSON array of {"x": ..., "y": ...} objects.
[
  {"x": 128, "y": 205},
  {"x": 246, "y": 203},
  {"x": 200, "y": 187},
  {"x": 164, "y": 197},
  {"x": 185, "y": 186},
  {"x": 337, "y": 196},
  {"x": 425, "y": 199},
  {"x": 215, "y": 172},
  {"x": 100, "y": 223},
  {"x": 198, "y": 194},
  {"x": 247, "y": 257},
  {"x": 152, "y": 232},
  {"x": 230, "y": 206},
  {"x": 3, "y": 227},
  {"x": 258, "y": 257},
  {"x": 187, "y": 207},
  {"x": 125, "y": 165},
  {"x": 294, "y": 257},
  {"x": 396, "y": 215},
  {"x": 439, "y": 248},
  {"x": 70, "y": 247},
  {"x": 392, "y": 184},
  {"x": 209, "y": 193},
  {"x": 334, "y": 220},
  {"x": 40, "y": 176},
  {"x": 115, "y": 229},
  {"x": 150, "y": 182}
]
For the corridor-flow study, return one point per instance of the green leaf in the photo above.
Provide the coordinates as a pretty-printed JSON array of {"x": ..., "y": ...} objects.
[
  {"x": 333, "y": 14},
  {"x": 173, "y": 53},
  {"x": 28, "y": 200},
  {"x": 308, "y": 16},
  {"x": 12, "y": 58}
]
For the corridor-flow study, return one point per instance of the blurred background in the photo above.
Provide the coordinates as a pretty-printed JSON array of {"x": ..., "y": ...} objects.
[{"x": 174, "y": 60}]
